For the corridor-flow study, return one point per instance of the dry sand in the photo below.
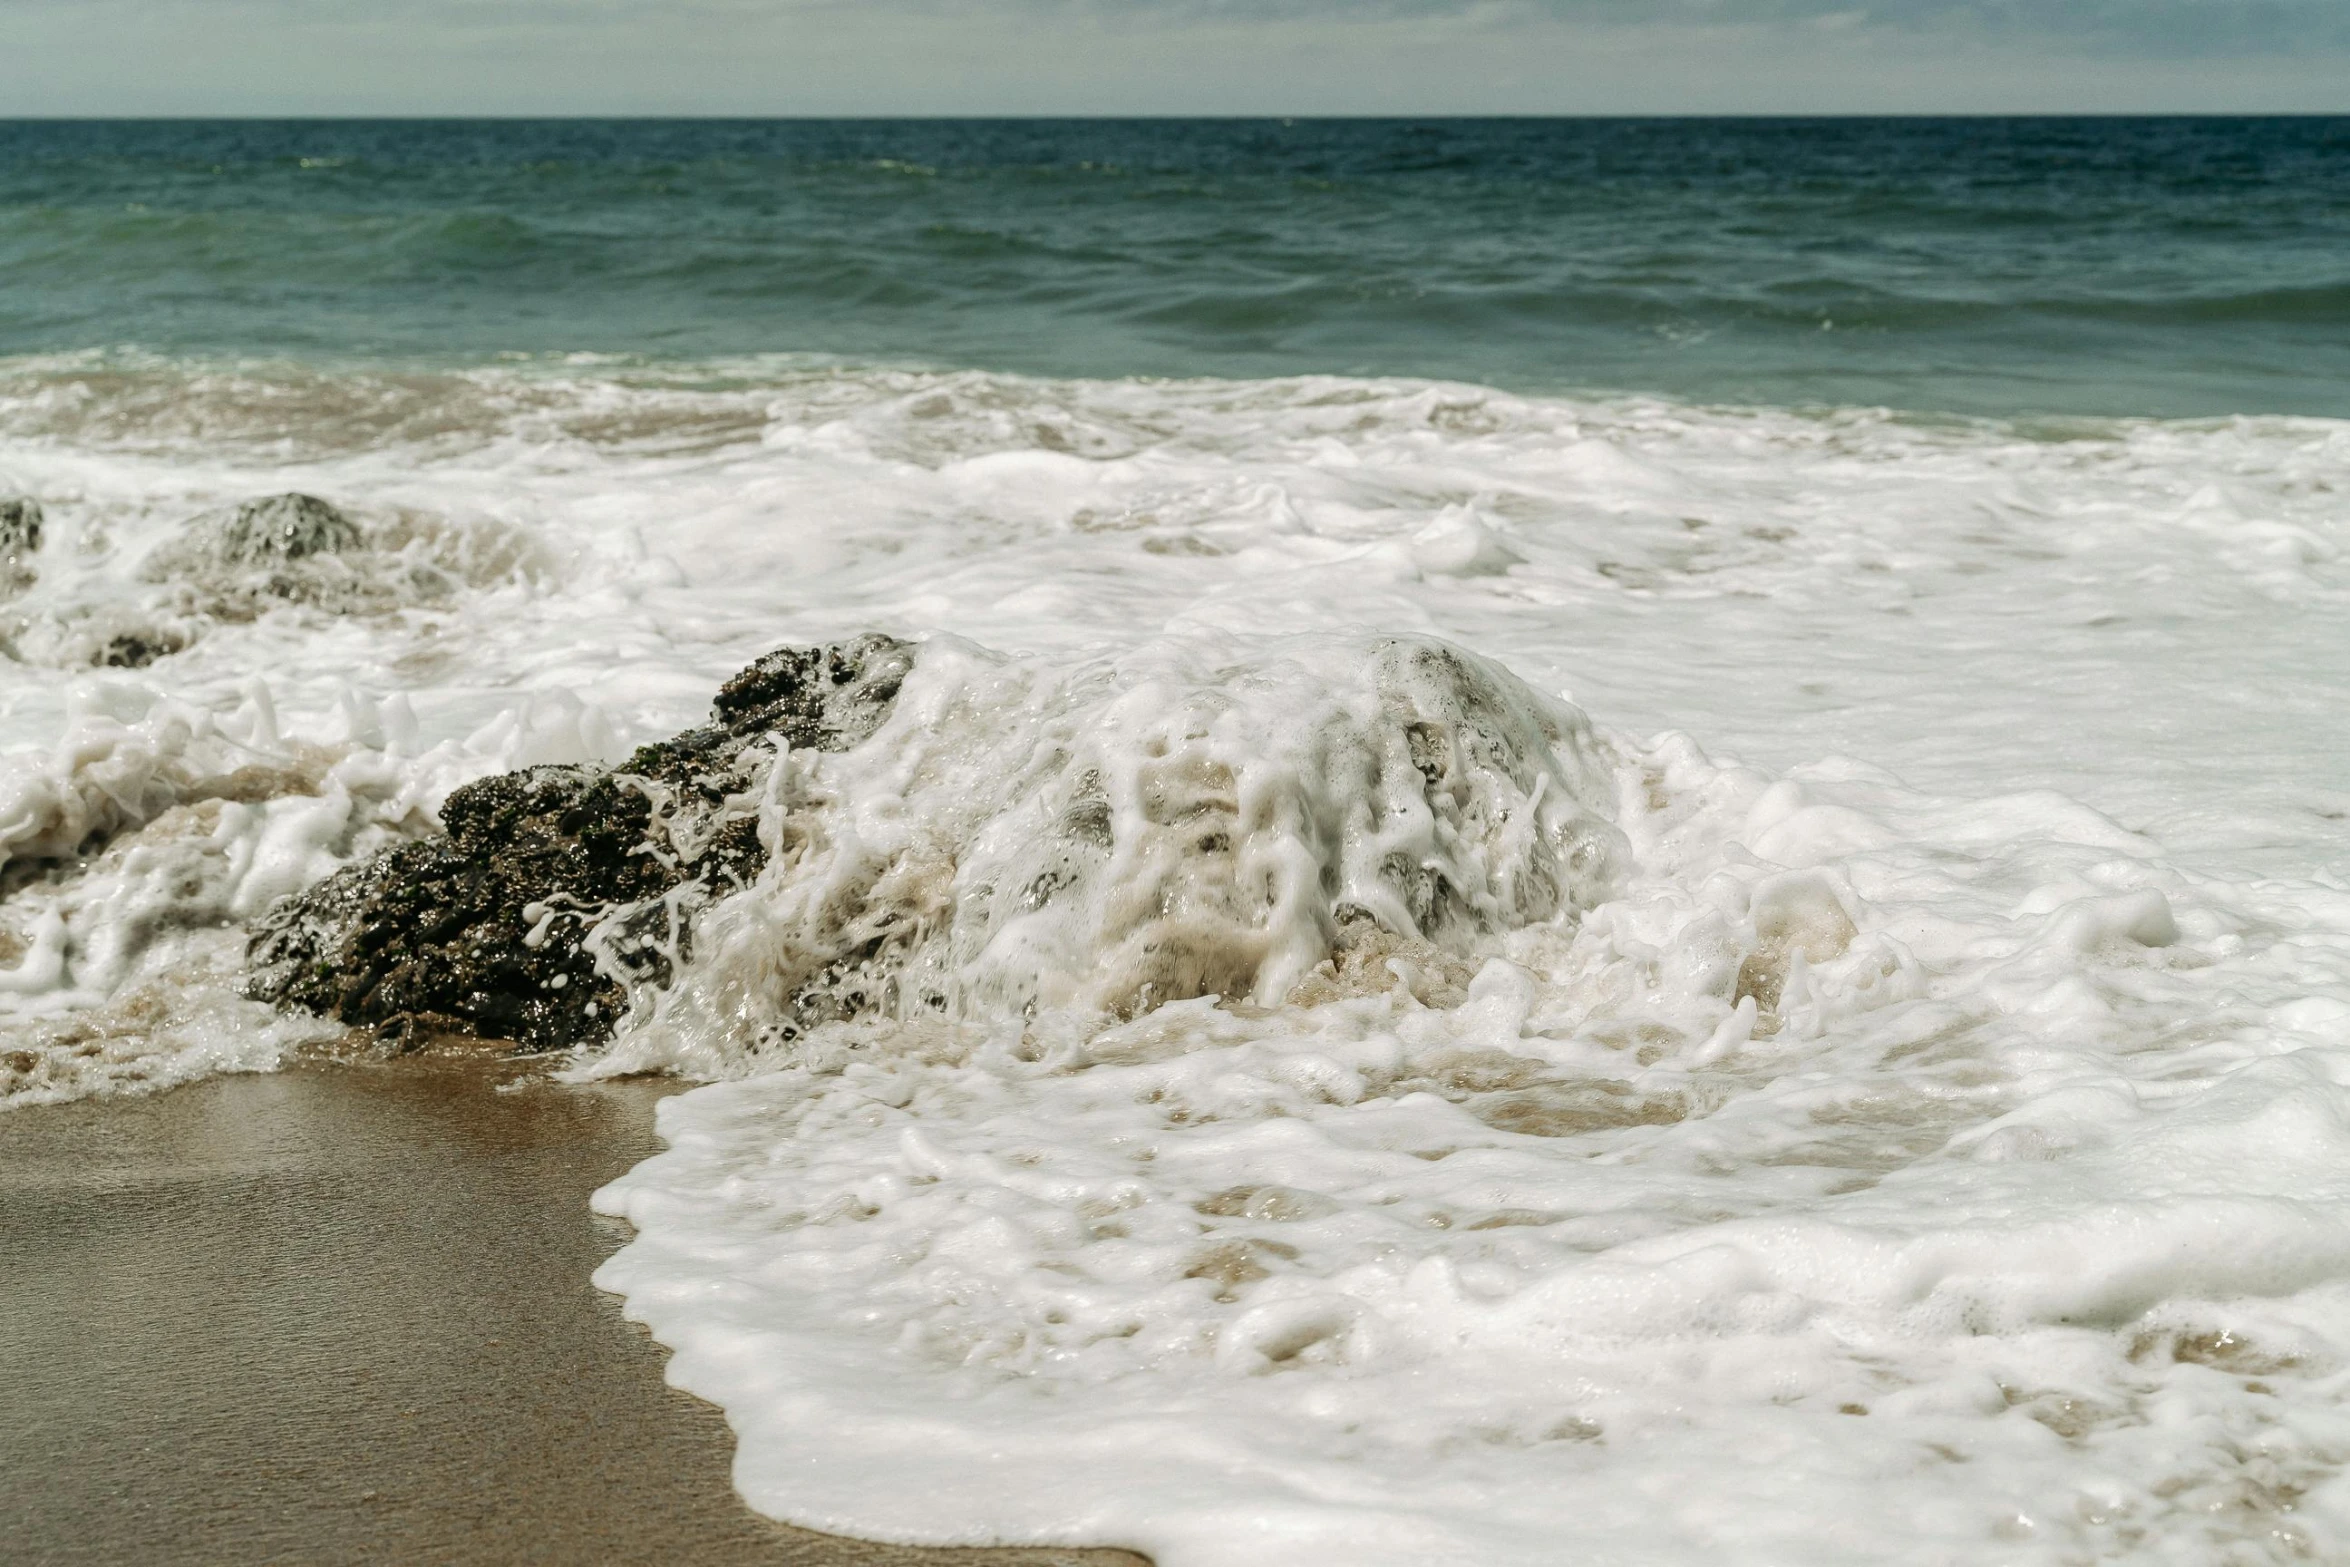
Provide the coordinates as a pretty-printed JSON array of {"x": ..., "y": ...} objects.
[{"x": 341, "y": 1313}]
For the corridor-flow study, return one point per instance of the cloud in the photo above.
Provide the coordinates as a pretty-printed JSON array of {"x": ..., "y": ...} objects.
[
  {"x": 2158, "y": 27},
  {"x": 2166, "y": 28}
]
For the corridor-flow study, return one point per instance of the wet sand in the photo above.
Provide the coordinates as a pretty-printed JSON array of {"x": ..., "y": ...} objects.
[{"x": 341, "y": 1313}]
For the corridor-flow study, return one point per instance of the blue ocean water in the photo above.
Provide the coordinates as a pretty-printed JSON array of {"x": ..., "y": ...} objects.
[{"x": 2176, "y": 267}]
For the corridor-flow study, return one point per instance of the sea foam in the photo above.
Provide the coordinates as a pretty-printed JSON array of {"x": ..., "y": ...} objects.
[
  {"x": 1239, "y": 1064},
  {"x": 1806, "y": 1156},
  {"x": 1027, "y": 837}
]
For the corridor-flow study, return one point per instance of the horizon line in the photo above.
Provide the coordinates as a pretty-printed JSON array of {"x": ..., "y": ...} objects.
[{"x": 1224, "y": 115}]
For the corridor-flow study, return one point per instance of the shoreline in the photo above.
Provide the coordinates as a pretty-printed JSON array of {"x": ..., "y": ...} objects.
[{"x": 341, "y": 1312}]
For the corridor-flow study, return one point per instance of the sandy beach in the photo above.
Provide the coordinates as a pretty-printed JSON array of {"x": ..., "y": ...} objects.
[{"x": 342, "y": 1313}]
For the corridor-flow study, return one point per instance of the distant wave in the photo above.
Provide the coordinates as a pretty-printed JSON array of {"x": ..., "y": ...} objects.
[{"x": 2155, "y": 267}]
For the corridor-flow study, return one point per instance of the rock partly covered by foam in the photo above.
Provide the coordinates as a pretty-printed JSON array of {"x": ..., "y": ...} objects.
[
  {"x": 237, "y": 564},
  {"x": 273, "y": 530},
  {"x": 20, "y": 526},
  {"x": 241, "y": 562},
  {"x": 20, "y": 537},
  {"x": 554, "y": 882},
  {"x": 1262, "y": 820},
  {"x": 276, "y": 536}
]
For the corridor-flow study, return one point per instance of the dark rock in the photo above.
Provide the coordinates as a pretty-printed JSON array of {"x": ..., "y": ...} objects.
[
  {"x": 138, "y": 649},
  {"x": 498, "y": 926},
  {"x": 824, "y": 698},
  {"x": 20, "y": 537},
  {"x": 20, "y": 527}
]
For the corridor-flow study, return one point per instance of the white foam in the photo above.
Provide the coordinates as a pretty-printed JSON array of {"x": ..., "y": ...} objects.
[
  {"x": 1027, "y": 838},
  {"x": 1899, "y": 1208},
  {"x": 1994, "y": 1085},
  {"x": 134, "y": 853}
]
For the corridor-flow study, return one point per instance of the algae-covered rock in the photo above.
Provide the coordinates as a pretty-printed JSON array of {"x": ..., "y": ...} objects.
[{"x": 497, "y": 929}]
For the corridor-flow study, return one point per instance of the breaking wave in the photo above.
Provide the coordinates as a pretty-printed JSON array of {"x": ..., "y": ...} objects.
[
  {"x": 1025, "y": 837},
  {"x": 1235, "y": 1062}
]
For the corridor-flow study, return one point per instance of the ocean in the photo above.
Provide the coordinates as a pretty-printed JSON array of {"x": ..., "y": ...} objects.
[
  {"x": 1609, "y": 840},
  {"x": 2176, "y": 268}
]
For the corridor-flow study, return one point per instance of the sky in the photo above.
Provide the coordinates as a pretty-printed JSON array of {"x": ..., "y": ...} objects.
[{"x": 988, "y": 57}]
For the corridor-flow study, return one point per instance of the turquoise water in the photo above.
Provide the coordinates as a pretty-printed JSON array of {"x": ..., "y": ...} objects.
[{"x": 2168, "y": 267}]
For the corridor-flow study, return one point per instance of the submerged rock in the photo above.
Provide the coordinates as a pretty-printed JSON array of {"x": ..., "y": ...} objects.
[{"x": 497, "y": 929}]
